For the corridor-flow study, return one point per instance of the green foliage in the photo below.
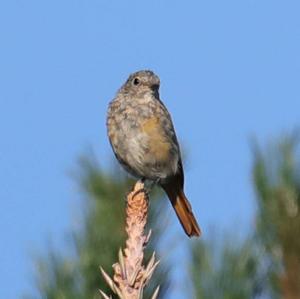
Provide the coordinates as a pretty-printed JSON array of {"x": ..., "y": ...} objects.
[
  {"x": 264, "y": 265},
  {"x": 269, "y": 262},
  {"x": 277, "y": 181},
  {"x": 102, "y": 233},
  {"x": 225, "y": 268}
]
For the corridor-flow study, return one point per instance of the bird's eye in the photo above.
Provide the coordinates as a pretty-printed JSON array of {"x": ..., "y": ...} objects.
[{"x": 136, "y": 81}]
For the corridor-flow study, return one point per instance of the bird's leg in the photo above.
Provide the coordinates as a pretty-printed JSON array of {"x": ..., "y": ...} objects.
[
  {"x": 148, "y": 188},
  {"x": 152, "y": 184}
]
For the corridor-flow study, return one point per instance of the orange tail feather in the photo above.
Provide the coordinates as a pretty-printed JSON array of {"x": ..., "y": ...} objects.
[{"x": 183, "y": 210}]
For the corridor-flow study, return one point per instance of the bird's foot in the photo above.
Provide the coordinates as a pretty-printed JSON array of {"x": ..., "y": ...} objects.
[{"x": 142, "y": 189}]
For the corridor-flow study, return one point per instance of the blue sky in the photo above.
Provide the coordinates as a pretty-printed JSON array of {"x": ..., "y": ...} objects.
[{"x": 229, "y": 70}]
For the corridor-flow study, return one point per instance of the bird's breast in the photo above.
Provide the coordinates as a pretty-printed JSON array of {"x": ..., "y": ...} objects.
[
  {"x": 140, "y": 138},
  {"x": 158, "y": 146}
]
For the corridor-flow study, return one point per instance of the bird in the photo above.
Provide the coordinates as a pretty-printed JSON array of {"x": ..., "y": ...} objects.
[{"x": 143, "y": 139}]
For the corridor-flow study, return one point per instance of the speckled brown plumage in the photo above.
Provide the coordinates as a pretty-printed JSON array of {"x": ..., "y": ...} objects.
[{"x": 143, "y": 139}]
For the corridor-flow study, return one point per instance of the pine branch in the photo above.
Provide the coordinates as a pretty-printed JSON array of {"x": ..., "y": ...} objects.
[{"x": 130, "y": 275}]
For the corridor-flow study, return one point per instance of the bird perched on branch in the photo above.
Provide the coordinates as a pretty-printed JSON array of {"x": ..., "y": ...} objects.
[{"x": 143, "y": 139}]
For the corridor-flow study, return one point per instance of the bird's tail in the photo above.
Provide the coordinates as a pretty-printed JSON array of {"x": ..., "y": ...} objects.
[{"x": 183, "y": 209}]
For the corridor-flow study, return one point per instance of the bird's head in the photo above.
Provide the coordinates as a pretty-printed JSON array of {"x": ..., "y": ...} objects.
[{"x": 142, "y": 82}]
